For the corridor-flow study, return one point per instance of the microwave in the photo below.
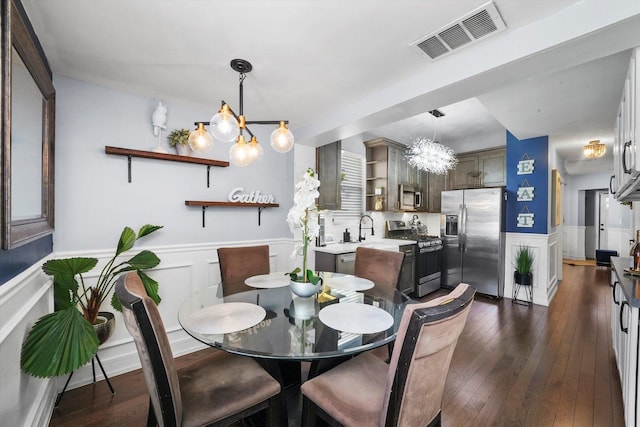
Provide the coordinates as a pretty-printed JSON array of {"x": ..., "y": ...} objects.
[{"x": 410, "y": 197}]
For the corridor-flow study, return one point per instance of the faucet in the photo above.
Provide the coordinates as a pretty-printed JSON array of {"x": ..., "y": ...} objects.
[{"x": 360, "y": 236}]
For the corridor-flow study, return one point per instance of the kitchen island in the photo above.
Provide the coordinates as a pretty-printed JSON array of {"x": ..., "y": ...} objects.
[
  {"x": 625, "y": 319},
  {"x": 341, "y": 257}
]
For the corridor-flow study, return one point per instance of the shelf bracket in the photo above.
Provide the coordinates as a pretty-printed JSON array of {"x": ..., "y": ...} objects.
[
  {"x": 204, "y": 208},
  {"x": 129, "y": 168},
  {"x": 259, "y": 214},
  {"x": 208, "y": 173}
]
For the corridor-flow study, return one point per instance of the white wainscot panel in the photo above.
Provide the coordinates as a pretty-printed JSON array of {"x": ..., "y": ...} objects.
[{"x": 26, "y": 401}]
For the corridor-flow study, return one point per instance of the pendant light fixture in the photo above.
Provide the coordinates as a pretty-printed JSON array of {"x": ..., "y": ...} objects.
[
  {"x": 594, "y": 149},
  {"x": 226, "y": 126},
  {"x": 429, "y": 155}
]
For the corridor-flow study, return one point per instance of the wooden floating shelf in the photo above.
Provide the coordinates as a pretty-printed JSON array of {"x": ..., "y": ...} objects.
[
  {"x": 162, "y": 156},
  {"x": 129, "y": 153},
  {"x": 231, "y": 204},
  {"x": 206, "y": 204}
]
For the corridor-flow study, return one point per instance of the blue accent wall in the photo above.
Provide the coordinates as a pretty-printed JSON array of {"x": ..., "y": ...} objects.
[
  {"x": 17, "y": 260},
  {"x": 518, "y": 151}
]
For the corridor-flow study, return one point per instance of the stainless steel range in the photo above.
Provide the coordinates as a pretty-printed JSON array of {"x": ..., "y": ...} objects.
[{"x": 428, "y": 258}]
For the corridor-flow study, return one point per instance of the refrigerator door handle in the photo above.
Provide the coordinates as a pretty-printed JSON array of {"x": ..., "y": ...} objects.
[
  {"x": 463, "y": 219},
  {"x": 460, "y": 228}
]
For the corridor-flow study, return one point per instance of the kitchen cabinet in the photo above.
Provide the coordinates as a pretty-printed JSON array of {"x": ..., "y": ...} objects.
[
  {"x": 478, "y": 169},
  {"x": 385, "y": 167},
  {"x": 432, "y": 186},
  {"x": 337, "y": 263},
  {"x": 625, "y": 321},
  {"x": 329, "y": 171},
  {"x": 625, "y": 184}
]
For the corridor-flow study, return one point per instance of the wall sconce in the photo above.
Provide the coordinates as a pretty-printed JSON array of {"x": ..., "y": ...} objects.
[
  {"x": 226, "y": 126},
  {"x": 594, "y": 149}
]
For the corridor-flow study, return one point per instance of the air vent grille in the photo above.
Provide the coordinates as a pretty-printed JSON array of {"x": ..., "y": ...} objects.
[
  {"x": 462, "y": 32},
  {"x": 480, "y": 24}
]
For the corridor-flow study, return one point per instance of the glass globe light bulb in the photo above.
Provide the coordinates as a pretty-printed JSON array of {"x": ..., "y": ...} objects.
[
  {"x": 200, "y": 140},
  {"x": 255, "y": 150},
  {"x": 282, "y": 139},
  {"x": 224, "y": 125},
  {"x": 239, "y": 153}
]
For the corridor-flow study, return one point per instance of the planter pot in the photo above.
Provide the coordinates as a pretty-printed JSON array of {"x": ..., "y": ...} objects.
[
  {"x": 183, "y": 149},
  {"x": 104, "y": 326},
  {"x": 525, "y": 279},
  {"x": 305, "y": 289}
]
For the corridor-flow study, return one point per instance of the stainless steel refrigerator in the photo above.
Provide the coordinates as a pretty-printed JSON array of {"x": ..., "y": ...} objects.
[{"x": 472, "y": 231}]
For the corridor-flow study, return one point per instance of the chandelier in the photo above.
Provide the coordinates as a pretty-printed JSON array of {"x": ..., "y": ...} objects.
[
  {"x": 431, "y": 156},
  {"x": 594, "y": 149},
  {"x": 226, "y": 126}
]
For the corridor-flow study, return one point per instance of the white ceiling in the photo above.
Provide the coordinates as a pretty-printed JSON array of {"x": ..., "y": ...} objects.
[{"x": 339, "y": 68}]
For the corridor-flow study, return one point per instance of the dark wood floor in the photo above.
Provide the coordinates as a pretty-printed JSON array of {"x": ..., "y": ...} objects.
[{"x": 514, "y": 366}]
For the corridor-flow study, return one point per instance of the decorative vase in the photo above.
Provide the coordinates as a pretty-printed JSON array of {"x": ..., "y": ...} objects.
[
  {"x": 305, "y": 289},
  {"x": 524, "y": 279},
  {"x": 183, "y": 149},
  {"x": 105, "y": 323}
]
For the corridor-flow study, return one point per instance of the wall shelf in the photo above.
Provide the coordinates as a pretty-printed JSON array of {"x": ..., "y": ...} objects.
[
  {"x": 129, "y": 153},
  {"x": 206, "y": 204}
]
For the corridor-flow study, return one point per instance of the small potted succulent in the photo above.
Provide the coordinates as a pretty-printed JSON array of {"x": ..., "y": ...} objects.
[
  {"x": 523, "y": 274},
  {"x": 179, "y": 138}
]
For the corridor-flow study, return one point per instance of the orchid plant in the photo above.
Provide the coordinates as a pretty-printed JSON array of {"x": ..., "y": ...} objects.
[{"x": 304, "y": 215}]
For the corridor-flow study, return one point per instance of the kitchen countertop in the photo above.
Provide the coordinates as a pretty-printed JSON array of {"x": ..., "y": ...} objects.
[
  {"x": 629, "y": 284},
  {"x": 345, "y": 248}
]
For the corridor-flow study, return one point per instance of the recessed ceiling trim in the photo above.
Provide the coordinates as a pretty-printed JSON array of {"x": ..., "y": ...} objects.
[{"x": 465, "y": 31}]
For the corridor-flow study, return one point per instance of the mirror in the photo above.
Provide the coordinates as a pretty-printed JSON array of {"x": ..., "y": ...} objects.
[{"x": 28, "y": 105}]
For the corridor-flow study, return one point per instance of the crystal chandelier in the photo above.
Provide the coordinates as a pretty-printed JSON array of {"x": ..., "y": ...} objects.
[
  {"x": 431, "y": 156},
  {"x": 226, "y": 126},
  {"x": 594, "y": 149}
]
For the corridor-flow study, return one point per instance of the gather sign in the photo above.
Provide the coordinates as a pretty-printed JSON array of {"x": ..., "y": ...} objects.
[{"x": 238, "y": 195}]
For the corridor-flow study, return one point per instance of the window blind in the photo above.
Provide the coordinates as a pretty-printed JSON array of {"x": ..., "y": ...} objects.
[{"x": 351, "y": 192}]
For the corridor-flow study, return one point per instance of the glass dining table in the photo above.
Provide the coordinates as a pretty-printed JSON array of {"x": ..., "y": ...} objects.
[{"x": 349, "y": 316}]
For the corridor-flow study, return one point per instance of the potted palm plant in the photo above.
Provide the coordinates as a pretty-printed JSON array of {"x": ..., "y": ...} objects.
[
  {"x": 62, "y": 341},
  {"x": 523, "y": 274}
]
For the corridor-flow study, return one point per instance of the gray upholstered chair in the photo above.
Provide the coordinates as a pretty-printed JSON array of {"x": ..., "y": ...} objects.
[
  {"x": 365, "y": 391},
  {"x": 238, "y": 264},
  {"x": 218, "y": 390},
  {"x": 381, "y": 267}
]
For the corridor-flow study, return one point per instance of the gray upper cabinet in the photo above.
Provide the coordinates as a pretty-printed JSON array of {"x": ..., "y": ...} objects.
[
  {"x": 329, "y": 169},
  {"x": 479, "y": 169},
  {"x": 432, "y": 185},
  {"x": 384, "y": 173}
]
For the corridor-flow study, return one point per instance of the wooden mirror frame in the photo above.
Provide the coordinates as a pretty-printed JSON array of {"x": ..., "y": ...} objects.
[{"x": 18, "y": 33}]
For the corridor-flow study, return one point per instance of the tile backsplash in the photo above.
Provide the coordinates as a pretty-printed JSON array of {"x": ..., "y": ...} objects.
[{"x": 336, "y": 227}]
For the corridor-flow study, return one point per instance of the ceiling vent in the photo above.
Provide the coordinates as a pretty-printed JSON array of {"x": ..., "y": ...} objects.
[{"x": 462, "y": 32}]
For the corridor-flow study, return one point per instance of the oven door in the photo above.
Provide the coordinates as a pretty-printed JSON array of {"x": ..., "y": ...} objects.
[{"x": 429, "y": 270}]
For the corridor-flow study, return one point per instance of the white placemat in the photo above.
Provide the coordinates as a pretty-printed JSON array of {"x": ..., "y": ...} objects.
[
  {"x": 347, "y": 282},
  {"x": 225, "y": 318},
  {"x": 355, "y": 318},
  {"x": 271, "y": 280}
]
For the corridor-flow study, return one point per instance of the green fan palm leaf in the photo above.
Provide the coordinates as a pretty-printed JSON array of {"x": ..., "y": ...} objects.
[{"x": 58, "y": 343}]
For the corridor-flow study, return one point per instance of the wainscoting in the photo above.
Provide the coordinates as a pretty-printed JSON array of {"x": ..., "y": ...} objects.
[{"x": 183, "y": 270}]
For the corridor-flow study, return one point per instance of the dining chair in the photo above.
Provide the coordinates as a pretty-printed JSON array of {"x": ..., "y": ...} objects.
[
  {"x": 365, "y": 391},
  {"x": 238, "y": 264},
  {"x": 381, "y": 267},
  {"x": 218, "y": 390}
]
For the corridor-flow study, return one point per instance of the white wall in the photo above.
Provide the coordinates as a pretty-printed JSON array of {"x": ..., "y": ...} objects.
[{"x": 94, "y": 200}]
